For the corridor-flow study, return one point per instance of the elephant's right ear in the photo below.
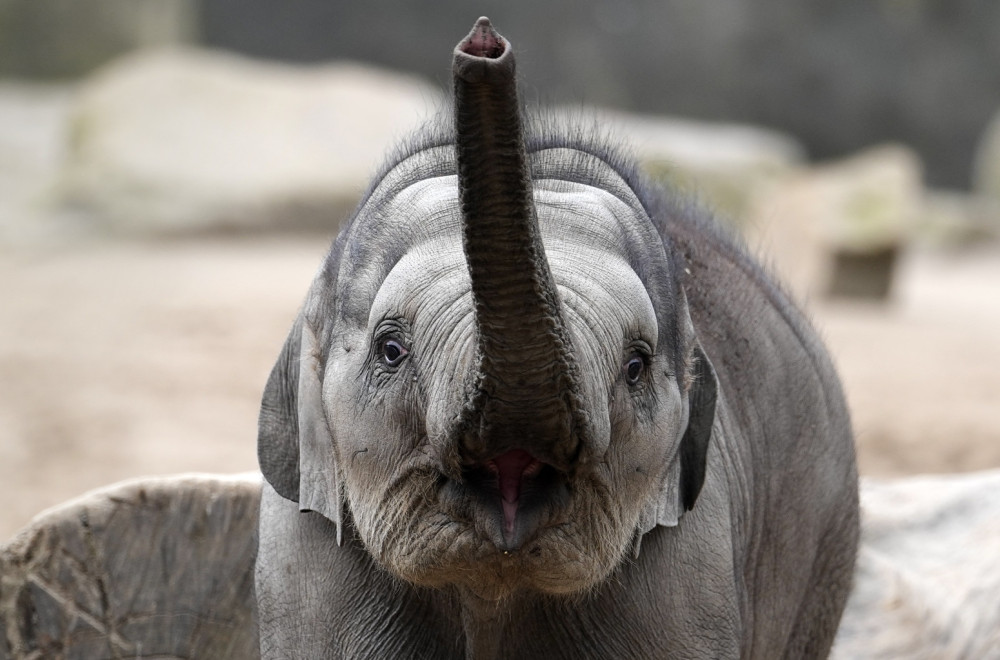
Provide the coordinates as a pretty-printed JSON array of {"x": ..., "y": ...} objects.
[
  {"x": 278, "y": 422},
  {"x": 294, "y": 445}
]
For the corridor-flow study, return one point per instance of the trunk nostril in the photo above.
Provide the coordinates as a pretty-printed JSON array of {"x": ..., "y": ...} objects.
[{"x": 483, "y": 42}]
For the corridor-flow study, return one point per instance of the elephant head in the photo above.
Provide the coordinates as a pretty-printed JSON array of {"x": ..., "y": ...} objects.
[{"x": 494, "y": 382}]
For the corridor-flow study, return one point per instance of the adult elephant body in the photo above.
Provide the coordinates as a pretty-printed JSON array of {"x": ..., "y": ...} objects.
[{"x": 534, "y": 408}]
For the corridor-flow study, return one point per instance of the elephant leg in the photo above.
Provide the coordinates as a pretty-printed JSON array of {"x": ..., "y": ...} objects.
[{"x": 829, "y": 587}]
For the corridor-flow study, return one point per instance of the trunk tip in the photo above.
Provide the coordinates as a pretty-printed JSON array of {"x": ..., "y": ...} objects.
[{"x": 483, "y": 41}]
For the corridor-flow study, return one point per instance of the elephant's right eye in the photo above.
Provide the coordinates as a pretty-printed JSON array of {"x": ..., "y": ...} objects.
[{"x": 393, "y": 352}]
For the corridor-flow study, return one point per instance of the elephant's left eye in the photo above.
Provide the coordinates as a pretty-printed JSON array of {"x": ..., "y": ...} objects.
[{"x": 393, "y": 352}]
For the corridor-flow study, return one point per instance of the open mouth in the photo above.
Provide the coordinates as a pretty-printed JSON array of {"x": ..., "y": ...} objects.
[
  {"x": 525, "y": 489},
  {"x": 511, "y": 469}
]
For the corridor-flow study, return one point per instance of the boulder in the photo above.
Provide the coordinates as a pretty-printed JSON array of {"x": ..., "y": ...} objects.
[
  {"x": 955, "y": 218},
  {"x": 188, "y": 140},
  {"x": 180, "y": 140},
  {"x": 986, "y": 171},
  {"x": 927, "y": 582},
  {"x": 838, "y": 228},
  {"x": 723, "y": 164}
]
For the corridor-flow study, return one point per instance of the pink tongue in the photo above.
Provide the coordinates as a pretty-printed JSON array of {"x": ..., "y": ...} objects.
[{"x": 510, "y": 468}]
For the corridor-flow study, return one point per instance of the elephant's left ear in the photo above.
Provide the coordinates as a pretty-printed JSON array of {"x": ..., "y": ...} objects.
[
  {"x": 686, "y": 473},
  {"x": 294, "y": 444},
  {"x": 694, "y": 445}
]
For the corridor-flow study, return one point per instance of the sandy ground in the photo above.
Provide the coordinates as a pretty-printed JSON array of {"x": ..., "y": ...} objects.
[
  {"x": 120, "y": 359},
  {"x": 922, "y": 374}
]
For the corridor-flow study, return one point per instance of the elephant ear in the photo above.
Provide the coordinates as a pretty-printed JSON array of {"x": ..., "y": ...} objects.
[
  {"x": 701, "y": 417},
  {"x": 686, "y": 473},
  {"x": 295, "y": 447}
]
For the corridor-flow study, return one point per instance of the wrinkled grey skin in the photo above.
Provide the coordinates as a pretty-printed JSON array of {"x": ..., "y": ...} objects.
[{"x": 668, "y": 433}]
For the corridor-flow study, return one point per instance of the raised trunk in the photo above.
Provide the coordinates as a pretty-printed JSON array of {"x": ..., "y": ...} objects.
[{"x": 526, "y": 392}]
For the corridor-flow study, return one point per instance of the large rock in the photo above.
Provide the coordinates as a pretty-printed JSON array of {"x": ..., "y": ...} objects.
[
  {"x": 837, "y": 228},
  {"x": 927, "y": 583},
  {"x": 956, "y": 218},
  {"x": 986, "y": 176},
  {"x": 163, "y": 568},
  {"x": 178, "y": 140},
  {"x": 724, "y": 164}
]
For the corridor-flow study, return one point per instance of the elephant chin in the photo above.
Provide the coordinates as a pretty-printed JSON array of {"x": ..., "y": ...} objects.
[{"x": 433, "y": 533}]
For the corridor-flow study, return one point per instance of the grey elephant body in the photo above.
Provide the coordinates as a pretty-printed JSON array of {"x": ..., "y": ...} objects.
[{"x": 733, "y": 538}]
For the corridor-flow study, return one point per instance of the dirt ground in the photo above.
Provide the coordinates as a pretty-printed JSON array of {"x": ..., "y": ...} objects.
[{"x": 121, "y": 359}]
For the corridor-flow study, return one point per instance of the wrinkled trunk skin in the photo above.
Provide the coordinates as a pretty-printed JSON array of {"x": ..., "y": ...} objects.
[{"x": 525, "y": 393}]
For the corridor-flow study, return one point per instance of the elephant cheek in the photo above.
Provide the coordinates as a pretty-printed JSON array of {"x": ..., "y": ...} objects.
[{"x": 646, "y": 442}]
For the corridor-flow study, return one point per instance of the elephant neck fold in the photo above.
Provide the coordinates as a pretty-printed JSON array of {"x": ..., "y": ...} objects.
[{"x": 483, "y": 624}]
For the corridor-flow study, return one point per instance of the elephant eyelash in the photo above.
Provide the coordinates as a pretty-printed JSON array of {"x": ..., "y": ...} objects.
[
  {"x": 637, "y": 343},
  {"x": 641, "y": 348}
]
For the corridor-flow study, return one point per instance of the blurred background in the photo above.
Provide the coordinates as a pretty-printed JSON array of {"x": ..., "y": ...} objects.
[{"x": 172, "y": 172}]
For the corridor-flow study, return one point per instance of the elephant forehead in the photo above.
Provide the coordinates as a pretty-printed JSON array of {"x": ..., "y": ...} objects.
[
  {"x": 430, "y": 287},
  {"x": 408, "y": 214},
  {"x": 586, "y": 232},
  {"x": 427, "y": 281},
  {"x": 568, "y": 212},
  {"x": 578, "y": 214},
  {"x": 602, "y": 292}
]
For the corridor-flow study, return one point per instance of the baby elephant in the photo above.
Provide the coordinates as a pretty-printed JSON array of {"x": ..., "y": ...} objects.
[{"x": 533, "y": 407}]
